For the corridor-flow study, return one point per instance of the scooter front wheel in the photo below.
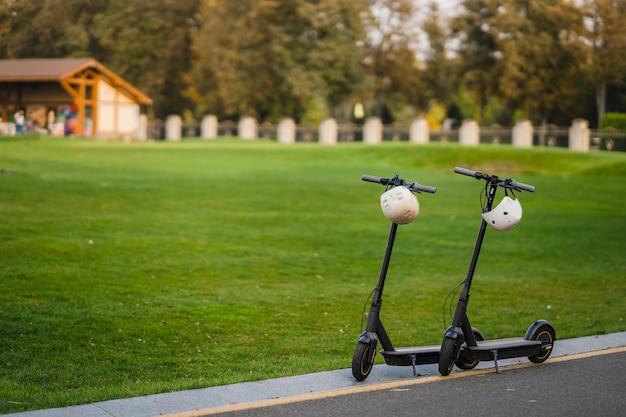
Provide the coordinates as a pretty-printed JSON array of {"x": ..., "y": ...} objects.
[
  {"x": 363, "y": 360},
  {"x": 450, "y": 349}
]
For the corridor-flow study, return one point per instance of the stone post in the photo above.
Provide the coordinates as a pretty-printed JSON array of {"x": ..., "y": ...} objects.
[
  {"x": 208, "y": 128},
  {"x": 328, "y": 132},
  {"x": 469, "y": 133},
  {"x": 286, "y": 131},
  {"x": 522, "y": 134},
  {"x": 248, "y": 128},
  {"x": 579, "y": 135},
  {"x": 142, "y": 134},
  {"x": 418, "y": 132},
  {"x": 373, "y": 131},
  {"x": 173, "y": 127}
]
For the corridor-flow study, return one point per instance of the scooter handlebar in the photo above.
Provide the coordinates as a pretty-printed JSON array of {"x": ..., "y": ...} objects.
[
  {"x": 397, "y": 181},
  {"x": 510, "y": 183},
  {"x": 371, "y": 178},
  {"x": 425, "y": 188},
  {"x": 522, "y": 186},
  {"x": 467, "y": 172}
]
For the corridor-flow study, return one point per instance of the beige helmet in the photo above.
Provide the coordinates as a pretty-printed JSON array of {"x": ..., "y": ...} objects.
[
  {"x": 399, "y": 205},
  {"x": 505, "y": 215}
]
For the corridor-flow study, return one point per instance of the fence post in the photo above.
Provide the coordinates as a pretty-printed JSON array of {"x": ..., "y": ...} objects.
[
  {"x": 579, "y": 135},
  {"x": 522, "y": 134},
  {"x": 418, "y": 132},
  {"x": 286, "y": 131},
  {"x": 373, "y": 131},
  {"x": 248, "y": 128},
  {"x": 328, "y": 132},
  {"x": 142, "y": 134},
  {"x": 469, "y": 133},
  {"x": 208, "y": 128},
  {"x": 173, "y": 127}
]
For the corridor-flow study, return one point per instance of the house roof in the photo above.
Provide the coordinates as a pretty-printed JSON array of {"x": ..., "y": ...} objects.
[{"x": 59, "y": 69}]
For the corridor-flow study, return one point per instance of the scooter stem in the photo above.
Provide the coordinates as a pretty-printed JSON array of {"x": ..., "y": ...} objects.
[
  {"x": 460, "y": 314},
  {"x": 378, "y": 293},
  {"x": 374, "y": 325}
]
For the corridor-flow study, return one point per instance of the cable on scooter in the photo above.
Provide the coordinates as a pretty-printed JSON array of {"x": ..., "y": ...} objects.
[
  {"x": 367, "y": 301},
  {"x": 484, "y": 195},
  {"x": 448, "y": 300}
]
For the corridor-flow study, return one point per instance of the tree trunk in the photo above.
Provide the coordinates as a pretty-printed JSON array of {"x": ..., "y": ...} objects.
[{"x": 601, "y": 101}]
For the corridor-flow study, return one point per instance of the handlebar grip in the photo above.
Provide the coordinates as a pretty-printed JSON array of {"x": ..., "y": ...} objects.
[
  {"x": 522, "y": 186},
  {"x": 425, "y": 188},
  {"x": 466, "y": 171},
  {"x": 371, "y": 178}
]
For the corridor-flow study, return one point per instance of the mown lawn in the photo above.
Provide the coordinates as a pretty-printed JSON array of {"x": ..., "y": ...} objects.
[{"x": 136, "y": 268}]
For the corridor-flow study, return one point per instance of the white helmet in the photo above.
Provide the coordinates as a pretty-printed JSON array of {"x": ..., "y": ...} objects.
[
  {"x": 505, "y": 215},
  {"x": 399, "y": 205}
]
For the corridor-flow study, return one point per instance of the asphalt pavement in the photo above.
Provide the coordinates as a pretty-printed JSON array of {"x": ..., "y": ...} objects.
[
  {"x": 583, "y": 377},
  {"x": 589, "y": 386}
]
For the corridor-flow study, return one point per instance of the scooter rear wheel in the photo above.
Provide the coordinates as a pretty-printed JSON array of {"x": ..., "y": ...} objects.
[
  {"x": 547, "y": 335},
  {"x": 363, "y": 360},
  {"x": 464, "y": 362},
  {"x": 450, "y": 349}
]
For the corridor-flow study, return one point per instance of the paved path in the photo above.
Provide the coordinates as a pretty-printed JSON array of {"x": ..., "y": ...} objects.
[
  {"x": 591, "y": 385},
  {"x": 245, "y": 397}
]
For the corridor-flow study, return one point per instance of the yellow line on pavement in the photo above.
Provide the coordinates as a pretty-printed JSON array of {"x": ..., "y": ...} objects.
[{"x": 377, "y": 387}]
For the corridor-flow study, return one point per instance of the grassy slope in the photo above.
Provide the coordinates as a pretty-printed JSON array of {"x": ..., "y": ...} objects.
[{"x": 130, "y": 269}]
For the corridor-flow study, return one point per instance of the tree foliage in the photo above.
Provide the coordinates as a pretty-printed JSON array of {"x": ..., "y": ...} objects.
[
  {"x": 606, "y": 36},
  {"x": 270, "y": 57},
  {"x": 546, "y": 60},
  {"x": 440, "y": 81}
]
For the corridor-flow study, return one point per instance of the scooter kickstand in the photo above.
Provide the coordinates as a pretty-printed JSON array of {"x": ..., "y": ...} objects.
[
  {"x": 415, "y": 374},
  {"x": 495, "y": 359}
]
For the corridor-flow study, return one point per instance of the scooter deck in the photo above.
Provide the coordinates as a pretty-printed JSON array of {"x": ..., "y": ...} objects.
[
  {"x": 504, "y": 348},
  {"x": 408, "y": 356}
]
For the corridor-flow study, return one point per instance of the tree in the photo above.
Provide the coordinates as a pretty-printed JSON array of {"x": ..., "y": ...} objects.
[
  {"x": 475, "y": 30},
  {"x": 439, "y": 77},
  {"x": 542, "y": 61},
  {"x": 331, "y": 36},
  {"x": 49, "y": 28},
  {"x": 148, "y": 44},
  {"x": 523, "y": 54},
  {"x": 234, "y": 72},
  {"x": 270, "y": 57},
  {"x": 606, "y": 46},
  {"x": 389, "y": 50}
]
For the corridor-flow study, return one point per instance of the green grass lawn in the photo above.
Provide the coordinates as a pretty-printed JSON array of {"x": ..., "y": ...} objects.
[{"x": 136, "y": 268}]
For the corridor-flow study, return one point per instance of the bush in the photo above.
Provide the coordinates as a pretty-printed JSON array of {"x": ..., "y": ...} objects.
[{"x": 615, "y": 120}]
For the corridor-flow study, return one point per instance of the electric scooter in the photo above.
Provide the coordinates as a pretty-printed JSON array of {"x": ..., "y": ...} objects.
[
  {"x": 460, "y": 346},
  {"x": 365, "y": 351}
]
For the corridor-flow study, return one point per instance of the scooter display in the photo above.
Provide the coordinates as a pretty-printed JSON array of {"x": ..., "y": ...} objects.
[
  {"x": 400, "y": 206},
  {"x": 460, "y": 346}
]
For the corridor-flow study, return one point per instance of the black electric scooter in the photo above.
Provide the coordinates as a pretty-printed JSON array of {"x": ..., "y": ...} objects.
[
  {"x": 460, "y": 345},
  {"x": 365, "y": 351}
]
